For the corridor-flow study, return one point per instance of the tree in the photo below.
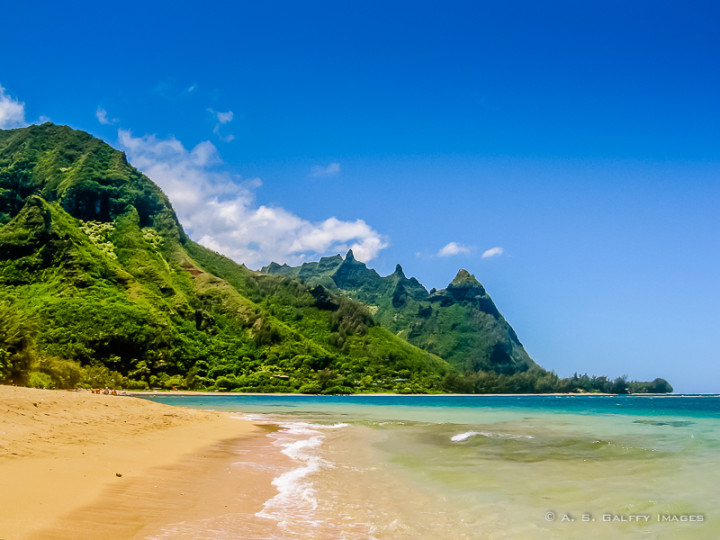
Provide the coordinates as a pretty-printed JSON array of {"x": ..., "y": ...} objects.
[
  {"x": 660, "y": 386},
  {"x": 16, "y": 353}
]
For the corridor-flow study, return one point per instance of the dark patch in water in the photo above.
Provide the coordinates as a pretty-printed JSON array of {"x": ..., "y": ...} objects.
[
  {"x": 673, "y": 423},
  {"x": 490, "y": 443}
]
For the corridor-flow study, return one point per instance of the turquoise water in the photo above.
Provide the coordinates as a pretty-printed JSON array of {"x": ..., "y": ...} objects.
[{"x": 483, "y": 466}]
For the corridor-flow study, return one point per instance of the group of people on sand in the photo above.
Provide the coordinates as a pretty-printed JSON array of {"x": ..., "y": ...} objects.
[{"x": 105, "y": 391}]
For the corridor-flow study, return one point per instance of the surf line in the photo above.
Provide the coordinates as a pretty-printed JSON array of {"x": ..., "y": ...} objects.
[{"x": 295, "y": 503}]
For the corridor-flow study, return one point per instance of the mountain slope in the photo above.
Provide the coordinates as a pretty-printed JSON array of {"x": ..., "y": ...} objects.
[
  {"x": 459, "y": 323},
  {"x": 100, "y": 285}
]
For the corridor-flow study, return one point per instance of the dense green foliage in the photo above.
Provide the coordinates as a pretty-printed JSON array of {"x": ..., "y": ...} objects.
[
  {"x": 539, "y": 381},
  {"x": 99, "y": 286}
]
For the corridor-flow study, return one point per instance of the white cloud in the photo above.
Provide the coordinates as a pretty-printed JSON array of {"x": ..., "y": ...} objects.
[
  {"x": 12, "y": 112},
  {"x": 330, "y": 170},
  {"x": 102, "y": 117},
  {"x": 222, "y": 118},
  {"x": 219, "y": 209},
  {"x": 493, "y": 252},
  {"x": 226, "y": 138},
  {"x": 453, "y": 248}
]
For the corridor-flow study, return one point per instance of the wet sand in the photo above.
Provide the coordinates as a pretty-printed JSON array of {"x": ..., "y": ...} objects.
[{"x": 82, "y": 465}]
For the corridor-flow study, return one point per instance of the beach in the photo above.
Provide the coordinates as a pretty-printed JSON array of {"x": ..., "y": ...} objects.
[
  {"x": 272, "y": 467},
  {"x": 77, "y": 464}
]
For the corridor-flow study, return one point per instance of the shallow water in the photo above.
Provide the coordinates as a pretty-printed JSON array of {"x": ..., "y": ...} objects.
[{"x": 484, "y": 467}]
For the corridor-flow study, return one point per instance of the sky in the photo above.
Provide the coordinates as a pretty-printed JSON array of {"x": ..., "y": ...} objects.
[{"x": 565, "y": 153}]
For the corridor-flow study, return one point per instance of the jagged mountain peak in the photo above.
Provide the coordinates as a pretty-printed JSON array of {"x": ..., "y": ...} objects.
[
  {"x": 465, "y": 285},
  {"x": 352, "y": 273},
  {"x": 334, "y": 259},
  {"x": 274, "y": 268},
  {"x": 464, "y": 279}
]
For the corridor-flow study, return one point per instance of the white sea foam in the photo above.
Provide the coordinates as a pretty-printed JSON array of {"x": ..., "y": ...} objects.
[
  {"x": 463, "y": 436},
  {"x": 460, "y": 437},
  {"x": 255, "y": 418},
  {"x": 296, "y": 501}
]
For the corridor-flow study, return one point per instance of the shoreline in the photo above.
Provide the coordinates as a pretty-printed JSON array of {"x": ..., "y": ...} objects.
[
  {"x": 77, "y": 464},
  {"x": 187, "y": 473},
  {"x": 203, "y": 393}
]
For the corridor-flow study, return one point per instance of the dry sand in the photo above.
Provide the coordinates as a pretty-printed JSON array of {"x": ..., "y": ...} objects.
[{"x": 82, "y": 465}]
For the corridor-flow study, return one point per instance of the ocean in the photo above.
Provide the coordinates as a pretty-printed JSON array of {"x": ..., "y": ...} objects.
[{"x": 478, "y": 467}]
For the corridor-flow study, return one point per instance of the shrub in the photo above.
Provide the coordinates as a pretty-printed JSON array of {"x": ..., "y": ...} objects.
[
  {"x": 226, "y": 383},
  {"x": 310, "y": 388},
  {"x": 64, "y": 373},
  {"x": 136, "y": 385},
  {"x": 38, "y": 379}
]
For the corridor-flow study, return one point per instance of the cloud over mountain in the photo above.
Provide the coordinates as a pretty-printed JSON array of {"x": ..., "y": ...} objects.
[
  {"x": 12, "y": 112},
  {"x": 330, "y": 170},
  {"x": 493, "y": 252},
  {"x": 219, "y": 208},
  {"x": 453, "y": 248},
  {"x": 102, "y": 117}
]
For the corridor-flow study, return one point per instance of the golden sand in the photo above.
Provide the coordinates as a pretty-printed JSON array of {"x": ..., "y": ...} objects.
[{"x": 82, "y": 465}]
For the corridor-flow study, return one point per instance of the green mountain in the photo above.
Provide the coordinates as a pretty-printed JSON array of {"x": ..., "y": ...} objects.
[
  {"x": 100, "y": 286},
  {"x": 459, "y": 323}
]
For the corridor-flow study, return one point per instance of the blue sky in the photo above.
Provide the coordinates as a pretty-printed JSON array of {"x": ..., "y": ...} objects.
[{"x": 565, "y": 153}]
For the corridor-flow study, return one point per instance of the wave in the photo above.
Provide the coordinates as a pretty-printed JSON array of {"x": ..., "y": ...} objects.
[
  {"x": 296, "y": 502},
  {"x": 460, "y": 437}
]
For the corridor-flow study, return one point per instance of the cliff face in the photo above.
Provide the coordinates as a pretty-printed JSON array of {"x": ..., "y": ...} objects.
[
  {"x": 459, "y": 323},
  {"x": 86, "y": 177}
]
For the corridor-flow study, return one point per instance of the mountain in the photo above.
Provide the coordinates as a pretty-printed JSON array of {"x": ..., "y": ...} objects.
[
  {"x": 459, "y": 323},
  {"x": 99, "y": 285}
]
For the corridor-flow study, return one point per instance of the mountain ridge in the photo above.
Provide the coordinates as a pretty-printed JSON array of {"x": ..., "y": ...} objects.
[
  {"x": 100, "y": 286},
  {"x": 483, "y": 340}
]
